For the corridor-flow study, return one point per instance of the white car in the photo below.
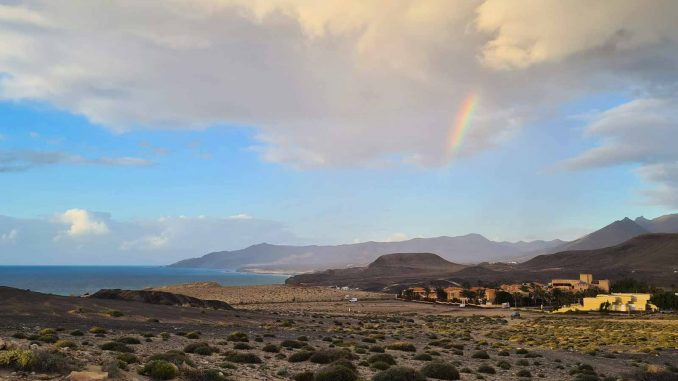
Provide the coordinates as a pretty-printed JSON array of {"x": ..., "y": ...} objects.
[{"x": 353, "y": 300}]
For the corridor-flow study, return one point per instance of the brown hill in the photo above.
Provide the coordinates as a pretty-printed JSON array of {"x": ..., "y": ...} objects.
[
  {"x": 159, "y": 297},
  {"x": 645, "y": 253},
  {"x": 386, "y": 270}
]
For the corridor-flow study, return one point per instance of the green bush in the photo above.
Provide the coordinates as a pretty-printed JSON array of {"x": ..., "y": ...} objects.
[
  {"x": 292, "y": 344},
  {"x": 128, "y": 340},
  {"x": 440, "y": 370},
  {"x": 200, "y": 348},
  {"x": 485, "y": 368},
  {"x": 242, "y": 358},
  {"x": 377, "y": 349},
  {"x": 271, "y": 348},
  {"x": 399, "y": 373},
  {"x": 524, "y": 373},
  {"x": 177, "y": 358},
  {"x": 402, "y": 346},
  {"x": 97, "y": 330},
  {"x": 300, "y": 356},
  {"x": 127, "y": 358},
  {"x": 335, "y": 372},
  {"x": 329, "y": 355},
  {"x": 51, "y": 339},
  {"x": 37, "y": 361},
  {"x": 241, "y": 346},
  {"x": 115, "y": 313},
  {"x": 238, "y": 336},
  {"x": 480, "y": 355},
  {"x": 77, "y": 332},
  {"x": 65, "y": 344},
  {"x": 382, "y": 357},
  {"x": 116, "y": 347},
  {"x": 380, "y": 365},
  {"x": 47, "y": 331},
  {"x": 193, "y": 335},
  {"x": 504, "y": 364},
  {"x": 160, "y": 370}
]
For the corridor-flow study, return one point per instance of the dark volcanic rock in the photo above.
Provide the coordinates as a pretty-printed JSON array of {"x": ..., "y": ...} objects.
[{"x": 159, "y": 297}]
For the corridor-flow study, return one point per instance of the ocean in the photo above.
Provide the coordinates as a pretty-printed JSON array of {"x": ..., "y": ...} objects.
[{"x": 77, "y": 280}]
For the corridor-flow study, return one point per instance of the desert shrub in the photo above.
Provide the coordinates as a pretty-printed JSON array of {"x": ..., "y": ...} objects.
[
  {"x": 52, "y": 362},
  {"x": 522, "y": 351},
  {"x": 335, "y": 372},
  {"x": 302, "y": 338},
  {"x": 402, "y": 346},
  {"x": 423, "y": 357},
  {"x": 165, "y": 336},
  {"x": 503, "y": 353},
  {"x": 128, "y": 340},
  {"x": 329, "y": 355},
  {"x": 303, "y": 376},
  {"x": 116, "y": 347},
  {"x": 382, "y": 357},
  {"x": 485, "y": 368},
  {"x": 440, "y": 370},
  {"x": 200, "y": 348},
  {"x": 77, "y": 332},
  {"x": 115, "y": 313},
  {"x": 47, "y": 331},
  {"x": 480, "y": 355},
  {"x": 37, "y": 361},
  {"x": 160, "y": 370},
  {"x": 524, "y": 373},
  {"x": 399, "y": 373},
  {"x": 522, "y": 362},
  {"x": 97, "y": 330},
  {"x": 177, "y": 358},
  {"x": 292, "y": 344},
  {"x": 271, "y": 348},
  {"x": 65, "y": 344},
  {"x": 242, "y": 358},
  {"x": 51, "y": 339},
  {"x": 241, "y": 346},
  {"x": 193, "y": 335},
  {"x": 300, "y": 356},
  {"x": 377, "y": 349},
  {"x": 504, "y": 364},
  {"x": 238, "y": 337},
  {"x": 380, "y": 365},
  {"x": 189, "y": 374},
  {"x": 127, "y": 358}
]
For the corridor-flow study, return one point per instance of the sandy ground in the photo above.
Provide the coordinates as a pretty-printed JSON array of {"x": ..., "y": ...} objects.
[
  {"x": 278, "y": 293},
  {"x": 450, "y": 334}
]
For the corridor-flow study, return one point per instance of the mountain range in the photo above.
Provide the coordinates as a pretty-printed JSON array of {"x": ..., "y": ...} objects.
[
  {"x": 650, "y": 257},
  {"x": 467, "y": 249}
]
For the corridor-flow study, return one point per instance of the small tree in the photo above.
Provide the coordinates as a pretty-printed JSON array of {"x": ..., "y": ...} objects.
[{"x": 442, "y": 295}]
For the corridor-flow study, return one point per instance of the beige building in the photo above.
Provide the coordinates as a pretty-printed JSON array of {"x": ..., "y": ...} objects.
[
  {"x": 614, "y": 302},
  {"x": 585, "y": 282}
]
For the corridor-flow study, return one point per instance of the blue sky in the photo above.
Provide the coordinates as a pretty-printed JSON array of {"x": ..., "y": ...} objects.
[{"x": 325, "y": 125}]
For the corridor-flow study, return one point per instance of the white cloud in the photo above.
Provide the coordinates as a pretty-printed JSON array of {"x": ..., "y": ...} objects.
[
  {"x": 241, "y": 216},
  {"x": 334, "y": 82},
  {"x": 97, "y": 238},
  {"x": 82, "y": 223},
  {"x": 642, "y": 132},
  {"x": 538, "y": 31},
  {"x": 396, "y": 237},
  {"x": 18, "y": 161},
  {"x": 9, "y": 237}
]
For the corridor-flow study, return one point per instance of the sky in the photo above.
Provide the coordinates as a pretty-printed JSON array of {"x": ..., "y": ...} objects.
[{"x": 144, "y": 132}]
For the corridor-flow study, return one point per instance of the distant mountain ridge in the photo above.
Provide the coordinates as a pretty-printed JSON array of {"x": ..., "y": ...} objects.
[
  {"x": 651, "y": 257},
  {"x": 466, "y": 249},
  {"x": 470, "y": 248}
]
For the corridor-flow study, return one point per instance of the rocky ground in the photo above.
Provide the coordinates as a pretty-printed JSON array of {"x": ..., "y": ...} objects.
[{"x": 46, "y": 337}]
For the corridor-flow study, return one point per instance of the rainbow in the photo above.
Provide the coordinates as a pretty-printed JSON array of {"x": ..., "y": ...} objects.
[{"x": 461, "y": 123}]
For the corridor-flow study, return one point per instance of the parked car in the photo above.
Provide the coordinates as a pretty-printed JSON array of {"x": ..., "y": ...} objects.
[{"x": 515, "y": 315}]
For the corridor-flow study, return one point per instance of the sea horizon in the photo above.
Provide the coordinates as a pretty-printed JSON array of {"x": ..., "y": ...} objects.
[{"x": 82, "y": 279}]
